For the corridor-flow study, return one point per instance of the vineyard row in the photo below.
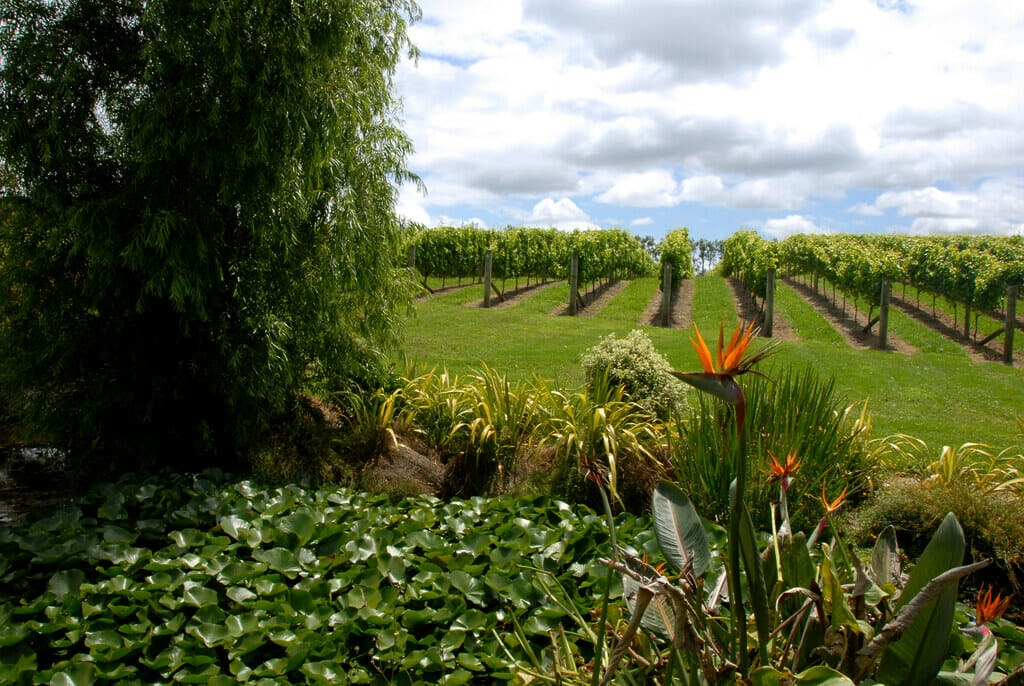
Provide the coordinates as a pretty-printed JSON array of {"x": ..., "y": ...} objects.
[
  {"x": 973, "y": 271},
  {"x": 543, "y": 254}
]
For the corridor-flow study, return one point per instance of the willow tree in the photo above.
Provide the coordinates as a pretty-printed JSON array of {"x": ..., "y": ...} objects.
[{"x": 199, "y": 214}]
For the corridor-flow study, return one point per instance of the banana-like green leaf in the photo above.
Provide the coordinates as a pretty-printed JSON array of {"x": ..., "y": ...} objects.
[
  {"x": 915, "y": 659},
  {"x": 885, "y": 558},
  {"x": 835, "y": 598},
  {"x": 659, "y": 616},
  {"x": 819, "y": 675},
  {"x": 755, "y": 580},
  {"x": 679, "y": 529}
]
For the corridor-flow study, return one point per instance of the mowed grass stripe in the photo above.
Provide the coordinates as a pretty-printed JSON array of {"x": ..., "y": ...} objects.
[
  {"x": 807, "y": 322},
  {"x": 939, "y": 394}
]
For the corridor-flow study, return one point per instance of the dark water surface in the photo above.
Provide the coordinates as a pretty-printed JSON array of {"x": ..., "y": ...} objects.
[{"x": 31, "y": 479}]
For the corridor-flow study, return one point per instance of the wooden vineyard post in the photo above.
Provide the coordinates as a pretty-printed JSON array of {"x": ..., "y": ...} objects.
[
  {"x": 883, "y": 316},
  {"x": 488, "y": 263},
  {"x": 666, "y": 295},
  {"x": 769, "y": 304},
  {"x": 574, "y": 283},
  {"x": 1011, "y": 322}
]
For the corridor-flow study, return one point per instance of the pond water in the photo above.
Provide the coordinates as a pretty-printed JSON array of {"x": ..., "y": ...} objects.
[{"x": 31, "y": 479}]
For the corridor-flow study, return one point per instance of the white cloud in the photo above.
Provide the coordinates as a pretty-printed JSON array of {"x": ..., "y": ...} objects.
[
  {"x": 410, "y": 206},
  {"x": 867, "y": 210},
  {"x": 703, "y": 189},
  {"x": 787, "y": 226},
  {"x": 928, "y": 201},
  {"x": 646, "y": 189},
  {"x": 997, "y": 206},
  {"x": 642, "y": 221},
  {"x": 774, "y": 105},
  {"x": 562, "y": 214}
]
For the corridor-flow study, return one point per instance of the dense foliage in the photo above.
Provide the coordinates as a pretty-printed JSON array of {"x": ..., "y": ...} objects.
[
  {"x": 793, "y": 411},
  {"x": 677, "y": 251},
  {"x": 605, "y": 254},
  {"x": 205, "y": 580},
  {"x": 748, "y": 257},
  {"x": 972, "y": 270},
  {"x": 200, "y": 203},
  {"x": 634, "y": 363}
]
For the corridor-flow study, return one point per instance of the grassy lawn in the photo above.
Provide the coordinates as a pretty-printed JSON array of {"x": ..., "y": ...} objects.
[{"x": 938, "y": 394}]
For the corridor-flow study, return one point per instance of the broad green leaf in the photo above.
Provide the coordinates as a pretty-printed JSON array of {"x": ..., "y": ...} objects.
[
  {"x": 117, "y": 534},
  {"x": 17, "y": 664},
  {"x": 211, "y": 634},
  {"x": 327, "y": 672},
  {"x": 200, "y": 596},
  {"x": 917, "y": 656},
  {"x": 659, "y": 617},
  {"x": 269, "y": 586},
  {"x": 106, "y": 638},
  {"x": 472, "y": 620},
  {"x": 66, "y": 581},
  {"x": 469, "y": 661},
  {"x": 835, "y": 599},
  {"x": 885, "y": 558},
  {"x": 234, "y": 572},
  {"x": 280, "y": 560},
  {"x": 679, "y": 529},
  {"x": 471, "y": 586},
  {"x": 819, "y": 675},
  {"x": 452, "y": 640},
  {"x": 188, "y": 538},
  {"x": 237, "y": 625},
  {"x": 113, "y": 507},
  {"x": 300, "y": 524},
  {"x": 754, "y": 578},
  {"x": 301, "y": 601},
  {"x": 79, "y": 674},
  {"x": 798, "y": 569},
  {"x": 234, "y": 526}
]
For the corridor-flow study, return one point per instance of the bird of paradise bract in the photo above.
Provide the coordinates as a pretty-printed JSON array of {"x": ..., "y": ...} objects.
[{"x": 733, "y": 361}]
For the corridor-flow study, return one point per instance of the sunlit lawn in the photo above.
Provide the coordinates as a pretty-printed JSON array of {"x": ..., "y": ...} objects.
[{"x": 938, "y": 394}]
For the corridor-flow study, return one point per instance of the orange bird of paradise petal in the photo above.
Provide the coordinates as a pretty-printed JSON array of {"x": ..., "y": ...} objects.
[
  {"x": 732, "y": 361},
  {"x": 702, "y": 351},
  {"x": 989, "y": 608},
  {"x": 783, "y": 471},
  {"x": 834, "y": 505}
]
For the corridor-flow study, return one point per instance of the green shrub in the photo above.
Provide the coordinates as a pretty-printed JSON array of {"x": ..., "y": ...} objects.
[
  {"x": 182, "y": 262},
  {"x": 993, "y": 522},
  {"x": 436, "y": 405},
  {"x": 502, "y": 417},
  {"x": 634, "y": 363}
]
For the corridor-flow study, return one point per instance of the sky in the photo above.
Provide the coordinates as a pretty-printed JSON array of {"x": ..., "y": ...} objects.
[{"x": 781, "y": 116}]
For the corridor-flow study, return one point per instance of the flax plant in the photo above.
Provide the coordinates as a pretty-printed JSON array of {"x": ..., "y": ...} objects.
[
  {"x": 502, "y": 416},
  {"x": 596, "y": 425},
  {"x": 436, "y": 405},
  {"x": 972, "y": 464}
]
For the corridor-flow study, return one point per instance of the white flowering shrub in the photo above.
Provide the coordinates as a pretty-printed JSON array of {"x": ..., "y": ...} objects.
[{"x": 639, "y": 368}]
